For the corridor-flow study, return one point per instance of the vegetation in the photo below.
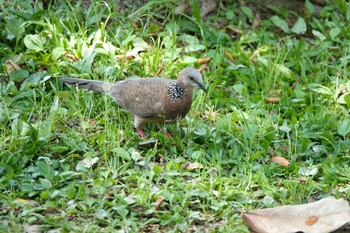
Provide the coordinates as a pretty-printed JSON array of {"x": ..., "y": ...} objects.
[{"x": 71, "y": 161}]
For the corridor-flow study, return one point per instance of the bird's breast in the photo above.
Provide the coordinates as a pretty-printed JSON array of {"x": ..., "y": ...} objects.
[{"x": 174, "y": 110}]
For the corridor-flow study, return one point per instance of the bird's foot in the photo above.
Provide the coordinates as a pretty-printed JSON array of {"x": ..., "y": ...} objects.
[
  {"x": 170, "y": 137},
  {"x": 168, "y": 134},
  {"x": 141, "y": 133}
]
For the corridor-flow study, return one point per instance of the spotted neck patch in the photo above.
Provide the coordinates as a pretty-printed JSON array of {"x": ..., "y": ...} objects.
[{"x": 175, "y": 91}]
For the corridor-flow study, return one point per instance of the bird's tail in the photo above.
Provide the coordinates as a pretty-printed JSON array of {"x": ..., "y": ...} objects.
[{"x": 92, "y": 85}]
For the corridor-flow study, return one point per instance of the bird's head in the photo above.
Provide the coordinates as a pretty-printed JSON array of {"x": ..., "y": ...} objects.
[{"x": 192, "y": 78}]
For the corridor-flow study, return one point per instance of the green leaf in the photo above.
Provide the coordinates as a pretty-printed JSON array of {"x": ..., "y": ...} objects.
[
  {"x": 57, "y": 52},
  {"x": 344, "y": 99},
  {"x": 35, "y": 78},
  {"x": 309, "y": 7},
  {"x": 14, "y": 26},
  {"x": 138, "y": 42},
  {"x": 192, "y": 43},
  {"x": 230, "y": 15},
  {"x": 34, "y": 42},
  {"x": 18, "y": 75},
  {"x": 189, "y": 60},
  {"x": 284, "y": 70},
  {"x": 248, "y": 12},
  {"x": 101, "y": 213},
  {"x": 278, "y": 22},
  {"x": 196, "y": 10},
  {"x": 344, "y": 127},
  {"x": 122, "y": 210},
  {"x": 44, "y": 195},
  {"x": 299, "y": 26},
  {"x": 46, "y": 183},
  {"x": 318, "y": 34},
  {"x": 320, "y": 89},
  {"x": 334, "y": 32},
  {"x": 46, "y": 170},
  {"x": 157, "y": 169},
  {"x": 122, "y": 153},
  {"x": 135, "y": 155}
]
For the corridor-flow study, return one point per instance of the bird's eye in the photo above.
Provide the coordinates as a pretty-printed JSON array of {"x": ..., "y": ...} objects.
[{"x": 191, "y": 77}]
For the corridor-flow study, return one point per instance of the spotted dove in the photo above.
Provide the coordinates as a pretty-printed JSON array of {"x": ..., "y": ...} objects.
[{"x": 150, "y": 100}]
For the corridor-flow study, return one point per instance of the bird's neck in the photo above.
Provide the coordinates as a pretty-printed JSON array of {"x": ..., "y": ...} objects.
[{"x": 175, "y": 90}]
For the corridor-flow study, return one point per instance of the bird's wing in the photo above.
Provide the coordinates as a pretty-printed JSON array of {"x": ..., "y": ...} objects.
[{"x": 143, "y": 97}]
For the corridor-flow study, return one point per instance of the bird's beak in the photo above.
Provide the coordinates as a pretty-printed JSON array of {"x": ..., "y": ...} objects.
[{"x": 201, "y": 86}]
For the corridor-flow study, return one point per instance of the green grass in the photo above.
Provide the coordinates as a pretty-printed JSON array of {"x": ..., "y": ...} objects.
[{"x": 71, "y": 161}]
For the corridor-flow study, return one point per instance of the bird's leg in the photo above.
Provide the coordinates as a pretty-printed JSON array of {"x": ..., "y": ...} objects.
[
  {"x": 141, "y": 133},
  {"x": 168, "y": 134}
]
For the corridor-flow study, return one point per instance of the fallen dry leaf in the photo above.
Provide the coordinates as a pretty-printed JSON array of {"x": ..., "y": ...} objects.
[
  {"x": 89, "y": 162},
  {"x": 234, "y": 30},
  {"x": 50, "y": 210},
  {"x": 203, "y": 67},
  {"x": 204, "y": 60},
  {"x": 273, "y": 99},
  {"x": 302, "y": 179},
  {"x": 192, "y": 166},
  {"x": 71, "y": 56},
  {"x": 160, "y": 69},
  {"x": 22, "y": 200},
  {"x": 124, "y": 57},
  {"x": 280, "y": 160},
  {"x": 256, "y": 21},
  {"x": 92, "y": 121},
  {"x": 229, "y": 56},
  {"x": 41, "y": 68},
  {"x": 216, "y": 193},
  {"x": 158, "y": 203},
  {"x": 11, "y": 66},
  {"x": 323, "y": 216}
]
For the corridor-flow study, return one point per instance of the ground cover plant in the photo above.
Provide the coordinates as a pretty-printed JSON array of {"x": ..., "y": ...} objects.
[{"x": 71, "y": 161}]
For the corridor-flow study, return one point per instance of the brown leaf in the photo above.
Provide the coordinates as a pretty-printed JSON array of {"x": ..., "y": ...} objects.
[
  {"x": 41, "y": 68},
  {"x": 158, "y": 203},
  {"x": 302, "y": 179},
  {"x": 160, "y": 69},
  {"x": 203, "y": 60},
  {"x": 11, "y": 66},
  {"x": 256, "y": 21},
  {"x": 92, "y": 122},
  {"x": 124, "y": 57},
  {"x": 202, "y": 68},
  {"x": 273, "y": 99},
  {"x": 71, "y": 56},
  {"x": 234, "y": 30},
  {"x": 229, "y": 56},
  {"x": 280, "y": 160},
  {"x": 50, "y": 209},
  {"x": 192, "y": 166},
  {"x": 326, "y": 215},
  {"x": 25, "y": 201}
]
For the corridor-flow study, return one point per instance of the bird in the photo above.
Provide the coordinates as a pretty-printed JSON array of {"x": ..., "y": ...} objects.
[{"x": 151, "y": 100}]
